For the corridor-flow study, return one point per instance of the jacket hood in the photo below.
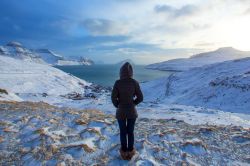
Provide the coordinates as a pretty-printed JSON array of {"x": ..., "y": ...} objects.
[{"x": 126, "y": 71}]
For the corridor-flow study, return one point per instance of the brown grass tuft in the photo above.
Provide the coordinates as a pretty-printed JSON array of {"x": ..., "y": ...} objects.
[
  {"x": 54, "y": 148},
  {"x": 81, "y": 122},
  {"x": 1, "y": 139},
  {"x": 7, "y": 129},
  {"x": 194, "y": 143},
  {"x": 41, "y": 131},
  {"x": 87, "y": 148}
]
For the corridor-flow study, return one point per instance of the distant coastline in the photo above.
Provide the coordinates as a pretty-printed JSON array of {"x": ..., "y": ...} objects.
[{"x": 106, "y": 74}]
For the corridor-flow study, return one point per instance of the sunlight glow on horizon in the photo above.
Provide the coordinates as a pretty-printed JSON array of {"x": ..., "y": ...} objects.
[{"x": 235, "y": 33}]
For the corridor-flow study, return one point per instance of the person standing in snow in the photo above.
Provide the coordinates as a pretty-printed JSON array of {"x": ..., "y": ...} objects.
[{"x": 126, "y": 94}]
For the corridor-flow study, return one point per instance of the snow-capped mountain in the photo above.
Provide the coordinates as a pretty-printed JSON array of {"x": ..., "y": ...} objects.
[
  {"x": 18, "y": 51},
  {"x": 182, "y": 64},
  {"x": 43, "y": 56},
  {"x": 81, "y": 61},
  {"x": 86, "y": 61},
  {"x": 224, "y": 86},
  {"x": 48, "y": 56}
]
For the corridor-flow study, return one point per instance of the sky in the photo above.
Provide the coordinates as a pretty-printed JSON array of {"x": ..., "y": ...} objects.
[{"x": 109, "y": 31}]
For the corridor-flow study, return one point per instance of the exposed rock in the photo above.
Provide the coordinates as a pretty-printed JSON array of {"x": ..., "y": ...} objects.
[{"x": 3, "y": 91}]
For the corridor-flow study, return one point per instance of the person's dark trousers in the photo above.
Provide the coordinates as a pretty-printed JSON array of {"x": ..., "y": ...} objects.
[{"x": 127, "y": 134}]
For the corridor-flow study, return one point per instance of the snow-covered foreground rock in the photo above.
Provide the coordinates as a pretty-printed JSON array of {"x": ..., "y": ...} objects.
[
  {"x": 183, "y": 64},
  {"x": 8, "y": 96},
  {"x": 224, "y": 86},
  {"x": 26, "y": 78},
  {"x": 40, "y": 134}
]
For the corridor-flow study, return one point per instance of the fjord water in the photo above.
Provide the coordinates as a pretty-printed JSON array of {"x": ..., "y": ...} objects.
[{"x": 106, "y": 75}]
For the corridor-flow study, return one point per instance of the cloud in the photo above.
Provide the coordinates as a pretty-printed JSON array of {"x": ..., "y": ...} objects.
[
  {"x": 246, "y": 12},
  {"x": 197, "y": 26},
  {"x": 204, "y": 44},
  {"x": 122, "y": 27},
  {"x": 186, "y": 10},
  {"x": 163, "y": 8},
  {"x": 103, "y": 27}
]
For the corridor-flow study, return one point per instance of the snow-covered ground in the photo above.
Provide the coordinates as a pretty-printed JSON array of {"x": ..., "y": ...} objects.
[
  {"x": 40, "y": 134},
  {"x": 175, "y": 125},
  {"x": 8, "y": 96},
  {"x": 23, "y": 77},
  {"x": 183, "y": 64},
  {"x": 25, "y": 81},
  {"x": 224, "y": 86}
]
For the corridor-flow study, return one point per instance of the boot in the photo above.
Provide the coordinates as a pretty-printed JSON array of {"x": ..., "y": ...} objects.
[
  {"x": 123, "y": 154},
  {"x": 131, "y": 154}
]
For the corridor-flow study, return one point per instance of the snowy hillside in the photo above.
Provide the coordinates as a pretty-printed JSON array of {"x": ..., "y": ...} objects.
[
  {"x": 43, "y": 56},
  {"x": 23, "y": 77},
  {"x": 18, "y": 51},
  {"x": 182, "y": 64},
  {"x": 70, "y": 122},
  {"x": 48, "y": 56},
  {"x": 224, "y": 86},
  {"x": 54, "y": 59},
  {"x": 8, "y": 96}
]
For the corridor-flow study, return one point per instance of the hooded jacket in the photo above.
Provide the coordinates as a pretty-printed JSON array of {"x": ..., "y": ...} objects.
[{"x": 126, "y": 94}]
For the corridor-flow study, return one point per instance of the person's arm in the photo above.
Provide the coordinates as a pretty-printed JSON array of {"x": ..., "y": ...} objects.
[
  {"x": 115, "y": 95},
  {"x": 138, "y": 94}
]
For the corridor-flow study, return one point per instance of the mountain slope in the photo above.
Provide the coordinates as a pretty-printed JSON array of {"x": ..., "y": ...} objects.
[
  {"x": 7, "y": 96},
  {"x": 224, "y": 86},
  {"x": 182, "y": 64},
  {"x": 18, "y": 51},
  {"x": 48, "y": 56},
  {"x": 23, "y": 77},
  {"x": 42, "y": 56}
]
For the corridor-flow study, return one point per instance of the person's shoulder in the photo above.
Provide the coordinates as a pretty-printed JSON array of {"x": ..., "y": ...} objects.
[
  {"x": 135, "y": 81},
  {"x": 117, "y": 82}
]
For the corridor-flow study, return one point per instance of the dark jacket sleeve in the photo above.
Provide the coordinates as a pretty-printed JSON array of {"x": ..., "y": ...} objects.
[
  {"x": 138, "y": 94},
  {"x": 115, "y": 95}
]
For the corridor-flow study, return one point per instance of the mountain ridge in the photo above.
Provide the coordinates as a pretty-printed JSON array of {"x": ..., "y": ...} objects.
[
  {"x": 198, "y": 60},
  {"x": 43, "y": 56},
  {"x": 213, "y": 86}
]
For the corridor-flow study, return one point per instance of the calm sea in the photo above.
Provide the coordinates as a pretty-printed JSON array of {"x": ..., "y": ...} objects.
[{"x": 106, "y": 75}]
